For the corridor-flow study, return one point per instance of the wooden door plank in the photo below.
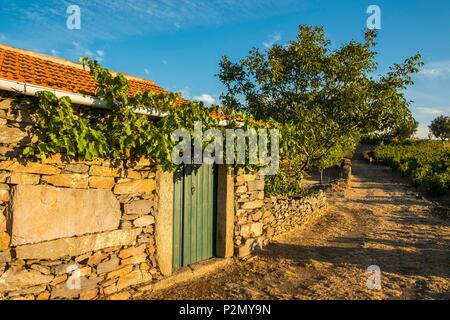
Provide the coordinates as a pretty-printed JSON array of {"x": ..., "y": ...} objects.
[
  {"x": 194, "y": 214},
  {"x": 187, "y": 208},
  {"x": 204, "y": 213},
  {"x": 199, "y": 215},
  {"x": 210, "y": 211},
  {"x": 177, "y": 218}
]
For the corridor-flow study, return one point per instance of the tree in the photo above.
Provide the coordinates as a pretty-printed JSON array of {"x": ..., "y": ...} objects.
[
  {"x": 343, "y": 149},
  {"x": 319, "y": 96},
  {"x": 405, "y": 129},
  {"x": 440, "y": 127}
]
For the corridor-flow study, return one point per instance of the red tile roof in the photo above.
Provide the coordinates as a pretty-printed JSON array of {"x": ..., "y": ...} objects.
[
  {"x": 55, "y": 73},
  {"x": 60, "y": 74}
]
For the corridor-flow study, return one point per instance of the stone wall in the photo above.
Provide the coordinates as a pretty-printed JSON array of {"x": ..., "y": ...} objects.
[
  {"x": 260, "y": 219},
  {"x": 71, "y": 230},
  {"x": 64, "y": 220},
  {"x": 16, "y": 126},
  {"x": 86, "y": 230}
]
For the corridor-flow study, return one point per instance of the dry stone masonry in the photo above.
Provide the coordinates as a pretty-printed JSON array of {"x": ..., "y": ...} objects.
[
  {"x": 260, "y": 219},
  {"x": 72, "y": 230},
  {"x": 86, "y": 230},
  {"x": 59, "y": 229}
]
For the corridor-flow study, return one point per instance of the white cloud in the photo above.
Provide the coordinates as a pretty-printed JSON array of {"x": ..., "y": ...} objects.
[
  {"x": 147, "y": 72},
  {"x": 114, "y": 19},
  {"x": 436, "y": 69},
  {"x": 273, "y": 38},
  {"x": 79, "y": 50},
  {"x": 422, "y": 132},
  {"x": 206, "y": 99},
  {"x": 54, "y": 52},
  {"x": 427, "y": 110}
]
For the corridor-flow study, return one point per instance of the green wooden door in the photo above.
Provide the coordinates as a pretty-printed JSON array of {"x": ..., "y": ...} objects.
[{"x": 194, "y": 214}]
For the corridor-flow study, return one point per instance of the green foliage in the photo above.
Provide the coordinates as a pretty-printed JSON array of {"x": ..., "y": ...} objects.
[
  {"x": 428, "y": 162},
  {"x": 440, "y": 127},
  {"x": 287, "y": 182},
  {"x": 342, "y": 149},
  {"x": 65, "y": 132},
  {"x": 123, "y": 133},
  {"x": 320, "y": 96},
  {"x": 404, "y": 130}
]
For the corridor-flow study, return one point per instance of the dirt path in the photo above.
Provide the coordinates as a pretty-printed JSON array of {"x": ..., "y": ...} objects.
[{"x": 377, "y": 221}]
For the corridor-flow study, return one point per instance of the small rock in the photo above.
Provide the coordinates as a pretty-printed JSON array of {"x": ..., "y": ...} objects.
[
  {"x": 120, "y": 296},
  {"x": 144, "y": 221},
  {"x": 120, "y": 273},
  {"x": 97, "y": 258},
  {"x": 59, "y": 279},
  {"x": 89, "y": 295},
  {"x": 139, "y": 207},
  {"x": 132, "y": 251},
  {"x": 43, "y": 296},
  {"x": 110, "y": 290},
  {"x": 41, "y": 269},
  {"x": 108, "y": 266},
  {"x": 76, "y": 168}
]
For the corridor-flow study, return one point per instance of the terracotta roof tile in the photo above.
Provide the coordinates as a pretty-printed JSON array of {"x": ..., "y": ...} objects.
[{"x": 54, "y": 73}]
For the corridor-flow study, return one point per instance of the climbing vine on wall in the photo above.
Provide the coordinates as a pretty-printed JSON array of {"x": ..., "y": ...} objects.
[{"x": 121, "y": 133}]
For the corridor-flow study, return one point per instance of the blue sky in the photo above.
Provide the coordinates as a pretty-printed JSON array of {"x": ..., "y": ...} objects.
[{"x": 178, "y": 43}]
